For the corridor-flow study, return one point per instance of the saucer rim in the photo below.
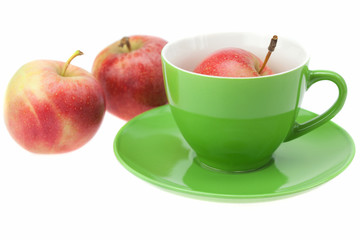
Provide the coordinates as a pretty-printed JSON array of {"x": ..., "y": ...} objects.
[{"x": 190, "y": 192}]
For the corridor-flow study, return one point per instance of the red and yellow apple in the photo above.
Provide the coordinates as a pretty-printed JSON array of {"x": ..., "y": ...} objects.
[
  {"x": 232, "y": 62},
  {"x": 131, "y": 75},
  {"x": 53, "y": 107}
]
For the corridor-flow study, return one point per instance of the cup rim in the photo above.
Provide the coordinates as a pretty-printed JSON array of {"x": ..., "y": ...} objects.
[{"x": 169, "y": 44}]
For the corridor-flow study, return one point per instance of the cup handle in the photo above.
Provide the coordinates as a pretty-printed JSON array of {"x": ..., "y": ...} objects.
[{"x": 300, "y": 129}]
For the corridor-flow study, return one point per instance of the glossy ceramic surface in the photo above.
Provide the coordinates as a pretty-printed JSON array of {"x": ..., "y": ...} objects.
[
  {"x": 152, "y": 147},
  {"x": 236, "y": 124}
]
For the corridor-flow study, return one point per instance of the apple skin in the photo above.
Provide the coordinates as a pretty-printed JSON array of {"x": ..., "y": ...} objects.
[
  {"x": 132, "y": 81},
  {"x": 49, "y": 113},
  {"x": 232, "y": 62}
]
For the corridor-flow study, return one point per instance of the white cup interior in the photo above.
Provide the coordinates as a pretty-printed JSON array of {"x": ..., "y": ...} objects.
[{"x": 187, "y": 53}]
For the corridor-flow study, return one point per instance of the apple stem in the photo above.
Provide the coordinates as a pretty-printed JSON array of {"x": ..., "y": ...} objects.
[
  {"x": 271, "y": 48},
  {"x": 77, "y": 53},
  {"x": 125, "y": 41}
]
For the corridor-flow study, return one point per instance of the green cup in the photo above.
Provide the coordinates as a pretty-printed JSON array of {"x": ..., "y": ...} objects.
[{"x": 236, "y": 124}]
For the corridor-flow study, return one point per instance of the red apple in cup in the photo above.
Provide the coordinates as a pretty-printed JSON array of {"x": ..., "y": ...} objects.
[
  {"x": 232, "y": 62},
  {"x": 130, "y": 73},
  {"x": 53, "y": 107}
]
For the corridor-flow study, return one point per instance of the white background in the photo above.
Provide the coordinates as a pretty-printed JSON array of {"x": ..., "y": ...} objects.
[{"x": 88, "y": 194}]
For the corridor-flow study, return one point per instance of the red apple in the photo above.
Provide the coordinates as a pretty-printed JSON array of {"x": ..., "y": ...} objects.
[
  {"x": 232, "y": 62},
  {"x": 53, "y": 107},
  {"x": 131, "y": 75}
]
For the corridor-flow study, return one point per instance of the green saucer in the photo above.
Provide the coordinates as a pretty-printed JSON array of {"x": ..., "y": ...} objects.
[{"x": 151, "y": 147}]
